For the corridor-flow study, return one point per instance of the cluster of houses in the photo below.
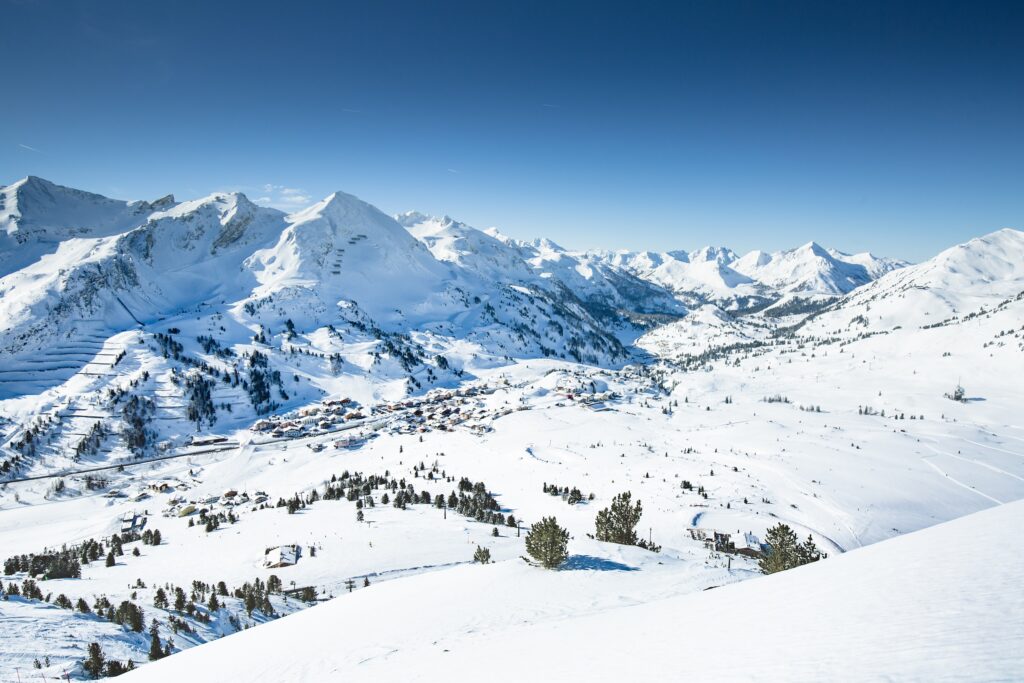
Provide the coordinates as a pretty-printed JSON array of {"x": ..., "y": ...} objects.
[
  {"x": 443, "y": 410},
  {"x": 179, "y": 506},
  {"x": 437, "y": 410},
  {"x": 740, "y": 543},
  {"x": 325, "y": 416}
]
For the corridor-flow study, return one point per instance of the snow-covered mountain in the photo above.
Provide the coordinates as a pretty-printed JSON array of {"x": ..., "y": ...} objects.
[
  {"x": 81, "y": 264},
  {"x": 37, "y": 215},
  {"x": 244, "y": 380},
  {"x": 812, "y": 269},
  {"x": 963, "y": 280},
  {"x": 718, "y": 275},
  {"x": 455, "y": 242}
]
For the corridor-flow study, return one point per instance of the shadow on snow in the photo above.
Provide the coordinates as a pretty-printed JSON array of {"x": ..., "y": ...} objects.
[{"x": 586, "y": 562}]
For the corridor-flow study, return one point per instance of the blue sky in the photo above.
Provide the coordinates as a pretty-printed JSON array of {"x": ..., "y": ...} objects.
[{"x": 894, "y": 127}]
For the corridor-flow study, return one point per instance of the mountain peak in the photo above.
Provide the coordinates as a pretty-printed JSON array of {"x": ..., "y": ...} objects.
[
  {"x": 721, "y": 255},
  {"x": 816, "y": 249},
  {"x": 337, "y": 206},
  {"x": 545, "y": 244},
  {"x": 411, "y": 218}
]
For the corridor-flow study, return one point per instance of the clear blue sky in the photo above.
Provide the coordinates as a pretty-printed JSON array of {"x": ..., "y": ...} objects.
[{"x": 894, "y": 127}]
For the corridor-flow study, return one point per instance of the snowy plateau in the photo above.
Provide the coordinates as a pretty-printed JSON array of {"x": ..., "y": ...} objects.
[{"x": 258, "y": 446}]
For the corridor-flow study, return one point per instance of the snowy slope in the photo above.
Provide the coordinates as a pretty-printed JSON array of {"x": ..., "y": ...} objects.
[
  {"x": 455, "y": 242},
  {"x": 344, "y": 249},
  {"x": 939, "y": 604},
  {"x": 708, "y": 327}
]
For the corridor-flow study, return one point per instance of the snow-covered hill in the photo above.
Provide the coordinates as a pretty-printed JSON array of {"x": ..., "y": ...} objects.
[{"x": 940, "y": 604}]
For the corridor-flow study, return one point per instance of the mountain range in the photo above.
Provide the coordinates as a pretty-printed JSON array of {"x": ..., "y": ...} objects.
[{"x": 73, "y": 263}]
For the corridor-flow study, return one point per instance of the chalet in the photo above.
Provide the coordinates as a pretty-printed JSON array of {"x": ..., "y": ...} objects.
[
  {"x": 132, "y": 522},
  {"x": 159, "y": 486},
  {"x": 713, "y": 540},
  {"x": 747, "y": 544},
  {"x": 205, "y": 441},
  {"x": 282, "y": 556}
]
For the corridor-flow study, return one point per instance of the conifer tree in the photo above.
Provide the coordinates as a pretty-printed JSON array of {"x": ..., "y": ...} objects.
[
  {"x": 482, "y": 555},
  {"x": 617, "y": 523},
  {"x": 155, "y": 651},
  {"x": 547, "y": 543},
  {"x": 782, "y": 551},
  {"x": 808, "y": 552},
  {"x": 93, "y": 665}
]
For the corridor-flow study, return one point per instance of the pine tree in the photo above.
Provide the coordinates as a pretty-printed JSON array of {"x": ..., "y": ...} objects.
[
  {"x": 617, "y": 524},
  {"x": 160, "y": 599},
  {"x": 155, "y": 651},
  {"x": 808, "y": 552},
  {"x": 482, "y": 555},
  {"x": 547, "y": 543},
  {"x": 782, "y": 551},
  {"x": 110, "y": 559},
  {"x": 93, "y": 665}
]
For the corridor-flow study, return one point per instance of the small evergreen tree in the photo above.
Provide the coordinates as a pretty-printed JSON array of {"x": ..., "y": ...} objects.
[
  {"x": 110, "y": 559},
  {"x": 617, "y": 524},
  {"x": 93, "y": 664},
  {"x": 547, "y": 543},
  {"x": 482, "y": 555},
  {"x": 808, "y": 552},
  {"x": 155, "y": 651},
  {"x": 782, "y": 553}
]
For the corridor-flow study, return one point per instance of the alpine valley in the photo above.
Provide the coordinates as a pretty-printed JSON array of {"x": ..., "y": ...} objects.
[{"x": 215, "y": 415}]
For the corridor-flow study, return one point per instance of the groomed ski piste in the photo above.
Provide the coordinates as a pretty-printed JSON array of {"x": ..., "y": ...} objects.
[{"x": 858, "y": 400}]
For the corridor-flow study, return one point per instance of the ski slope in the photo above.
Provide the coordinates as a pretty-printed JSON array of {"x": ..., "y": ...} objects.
[{"x": 941, "y": 604}]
